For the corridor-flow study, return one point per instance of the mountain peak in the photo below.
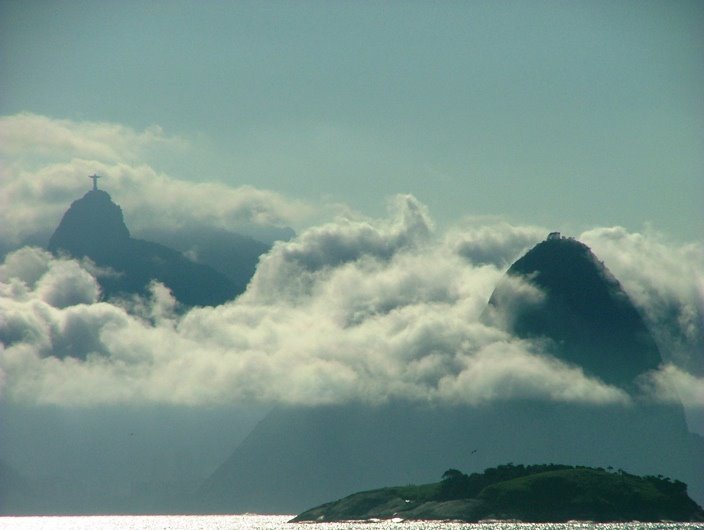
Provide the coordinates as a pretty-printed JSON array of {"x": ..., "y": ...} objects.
[
  {"x": 585, "y": 311},
  {"x": 88, "y": 224},
  {"x": 94, "y": 226}
]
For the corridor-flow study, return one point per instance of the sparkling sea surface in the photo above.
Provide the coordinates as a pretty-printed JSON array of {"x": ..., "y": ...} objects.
[{"x": 280, "y": 522}]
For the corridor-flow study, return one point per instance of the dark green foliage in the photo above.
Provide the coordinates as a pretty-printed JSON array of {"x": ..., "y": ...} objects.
[
  {"x": 536, "y": 493},
  {"x": 587, "y": 493},
  {"x": 420, "y": 493},
  {"x": 457, "y": 485}
]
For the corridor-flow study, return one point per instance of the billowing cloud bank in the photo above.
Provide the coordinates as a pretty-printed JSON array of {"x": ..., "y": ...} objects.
[
  {"x": 353, "y": 310},
  {"x": 349, "y": 311}
]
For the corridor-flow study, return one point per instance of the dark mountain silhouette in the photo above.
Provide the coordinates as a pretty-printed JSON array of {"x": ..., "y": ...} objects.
[
  {"x": 298, "y": 457},
  {"x": 94, "y": 227},
  {"x": 585, "y": 312},
  {"x": 231, "y": 254}
]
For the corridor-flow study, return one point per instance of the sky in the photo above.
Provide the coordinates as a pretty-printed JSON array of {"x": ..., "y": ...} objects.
[
  {"x": 417, "y": 148},
  {"x": 562, "y": 114}
]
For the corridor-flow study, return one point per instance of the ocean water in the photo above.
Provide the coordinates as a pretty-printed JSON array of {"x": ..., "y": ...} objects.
[{"x": 280, "y": 522}]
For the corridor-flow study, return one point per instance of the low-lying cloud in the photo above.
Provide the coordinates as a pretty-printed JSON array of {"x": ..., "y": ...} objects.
[
  {"x": 671, "y": 384},
  {"x": 354, "y": 310},
  {"x": 496, "y": 243}
]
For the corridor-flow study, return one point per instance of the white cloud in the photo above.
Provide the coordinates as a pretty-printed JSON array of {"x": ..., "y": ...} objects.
[
  {"x": 670, "y": 384},
  {"x": 26, "y": 265},
  {"x": 496, "y": 243},
  {"x": 365, "y": 310},
  {"x": 46, "y": 163},
  {"x": 507, "y": 370},
  {"x": 66, "y": 284},
  {"x": 353, "y": 310},
  {"x": 58, "y": 282},
  {"x": 36, "y": 139},
  {"x": 295, "y": 267}
]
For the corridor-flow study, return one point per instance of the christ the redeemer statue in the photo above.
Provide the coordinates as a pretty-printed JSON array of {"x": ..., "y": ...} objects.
[{"x": 95, "y": 181}]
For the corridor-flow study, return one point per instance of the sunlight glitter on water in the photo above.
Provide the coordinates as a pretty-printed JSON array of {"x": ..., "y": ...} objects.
[{"x": 280, "y": 522}]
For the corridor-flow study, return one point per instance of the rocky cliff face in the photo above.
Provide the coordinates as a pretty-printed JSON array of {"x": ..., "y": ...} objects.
[{"x": 94, "y": 227}]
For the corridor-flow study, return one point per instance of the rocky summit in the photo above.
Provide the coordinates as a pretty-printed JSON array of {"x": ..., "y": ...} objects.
[
  {"x": 582, "y": 310},
  {"x": 94, "y": 227}
]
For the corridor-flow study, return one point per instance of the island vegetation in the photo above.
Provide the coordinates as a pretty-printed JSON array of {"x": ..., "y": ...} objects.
[{"x": 533, "y": 493}]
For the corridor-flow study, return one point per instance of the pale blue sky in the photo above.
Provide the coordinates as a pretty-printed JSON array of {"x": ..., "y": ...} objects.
[{"x": 563, "y": 114}]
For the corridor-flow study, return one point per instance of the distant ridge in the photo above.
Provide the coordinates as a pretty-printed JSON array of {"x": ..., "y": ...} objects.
[
  {"x": 94, "y": 227},
  {"x": 230, "y": 253}
]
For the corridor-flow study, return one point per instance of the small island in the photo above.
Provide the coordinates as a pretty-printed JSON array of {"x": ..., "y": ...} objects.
[{"x": 534, "y": 493}]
